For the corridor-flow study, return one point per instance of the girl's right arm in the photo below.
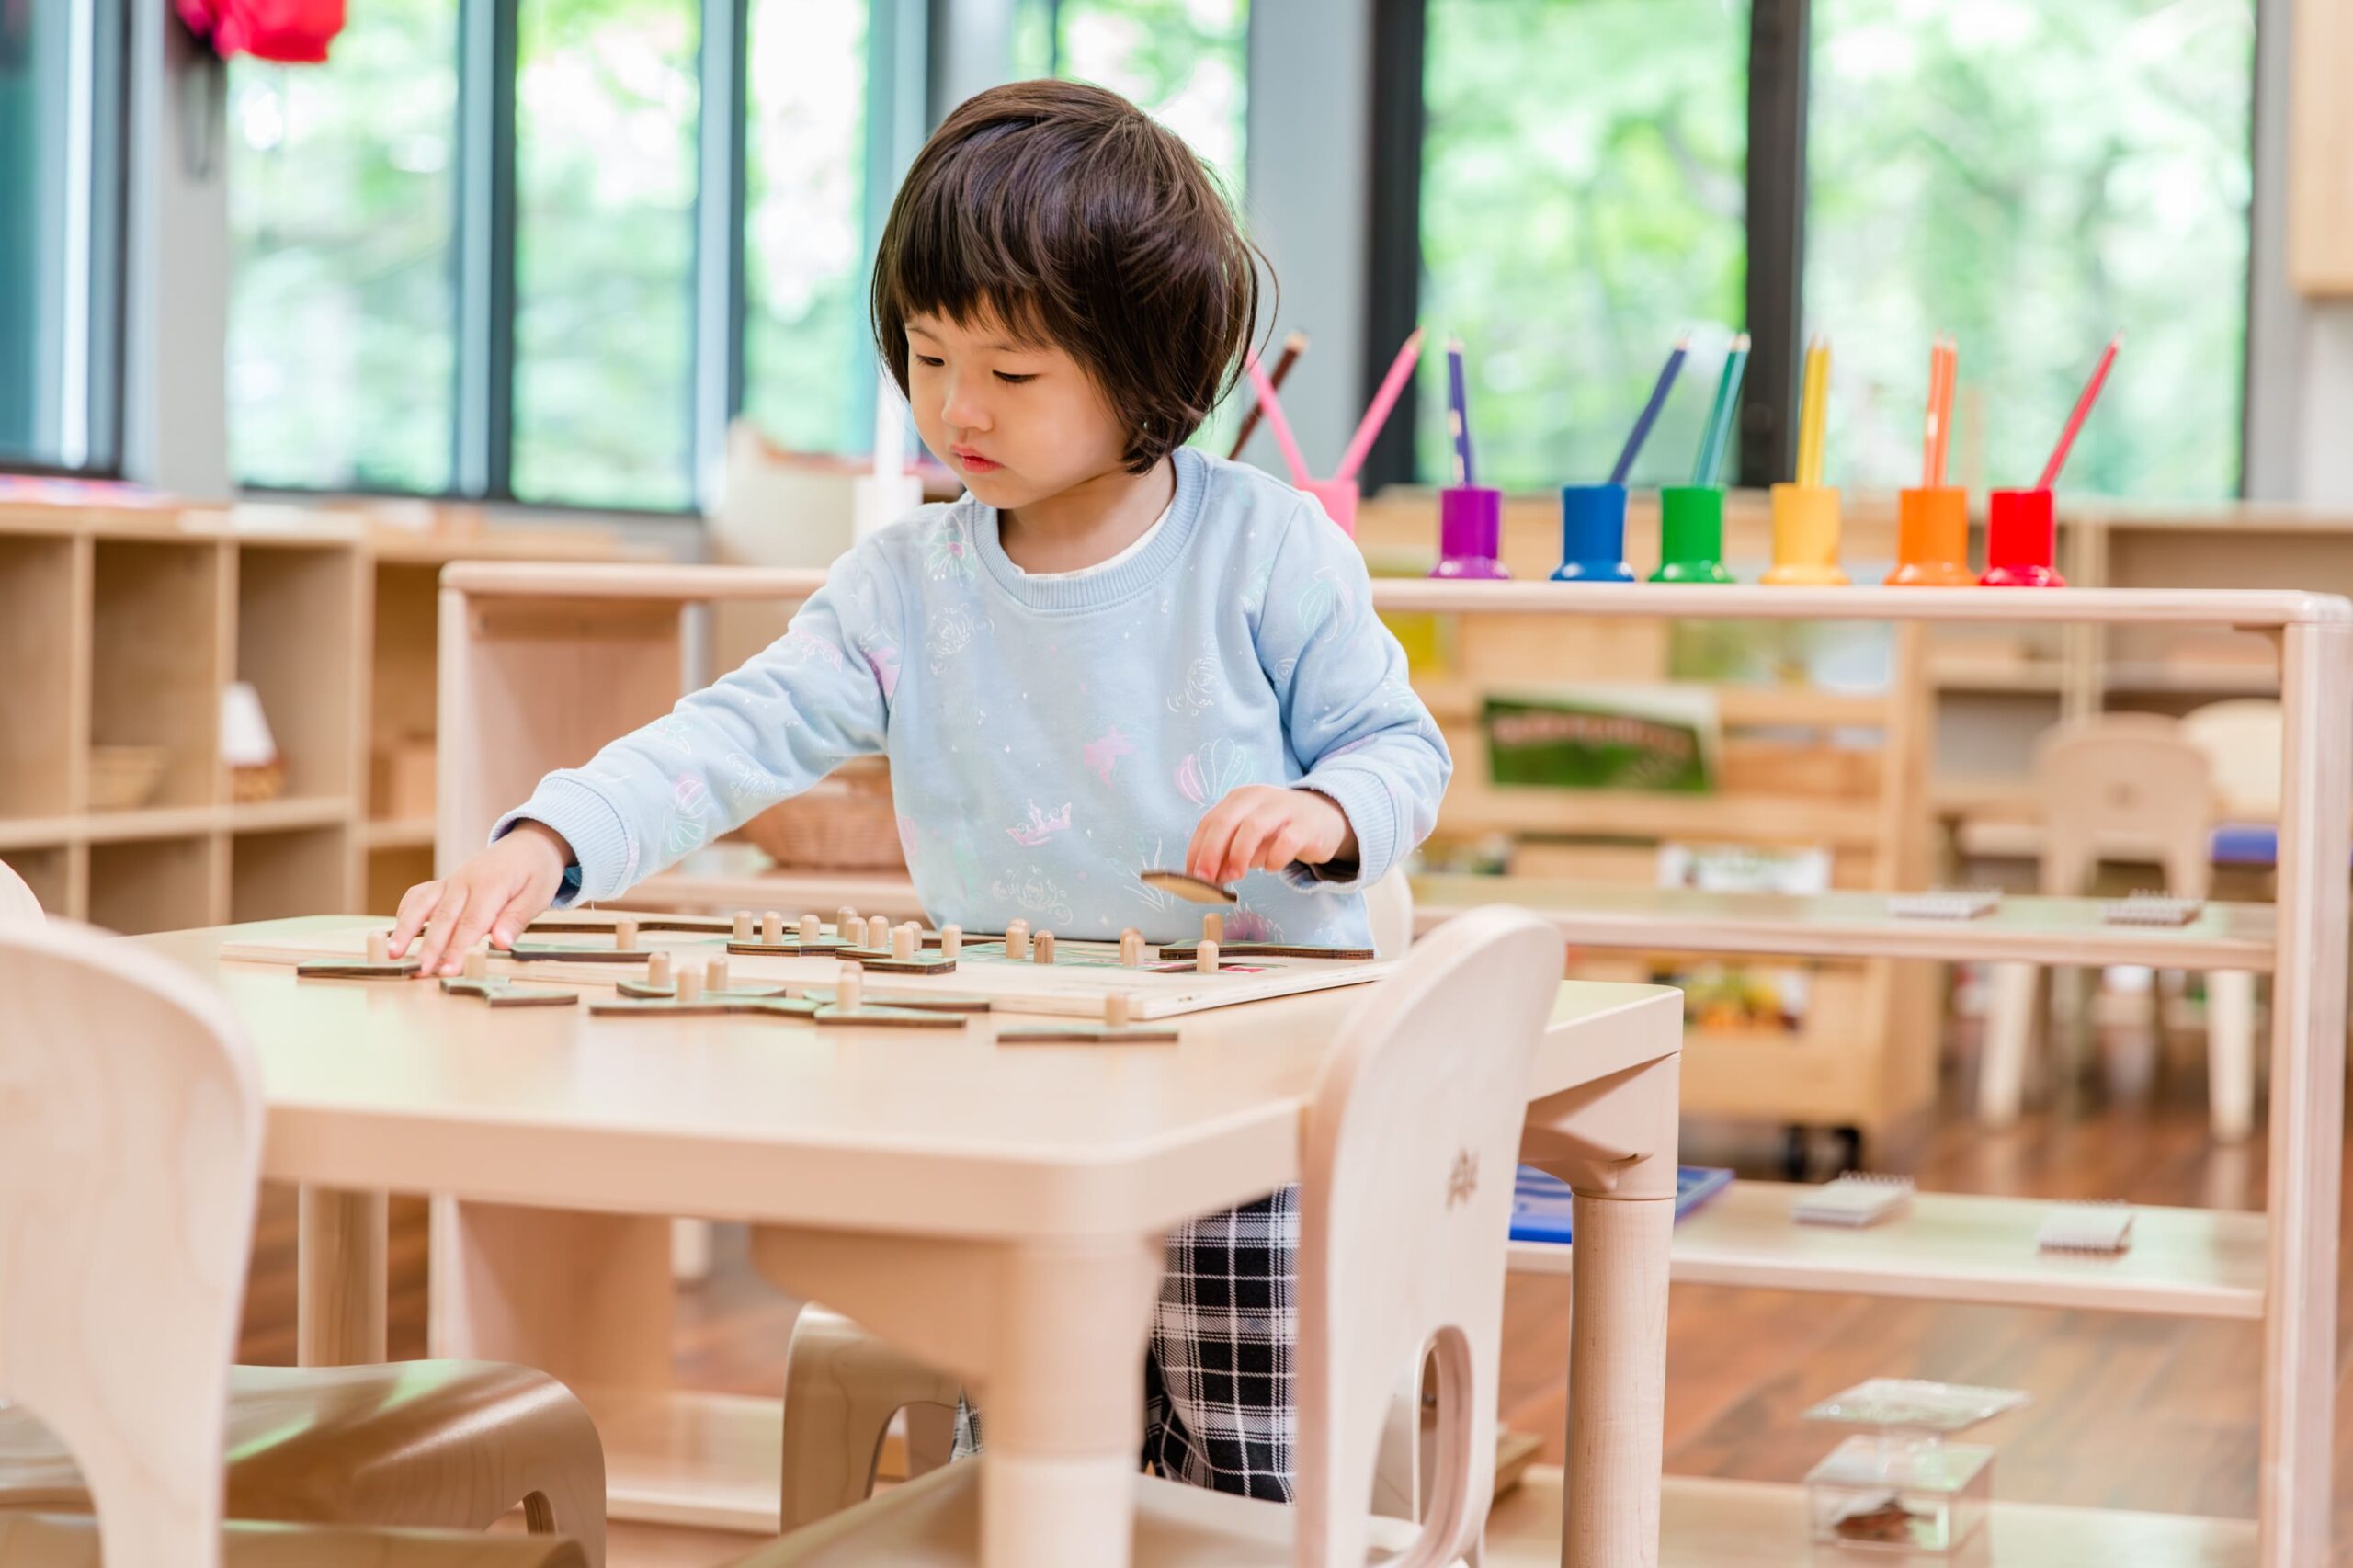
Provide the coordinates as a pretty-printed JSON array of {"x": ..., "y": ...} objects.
[{"x": 815, "y": 698}]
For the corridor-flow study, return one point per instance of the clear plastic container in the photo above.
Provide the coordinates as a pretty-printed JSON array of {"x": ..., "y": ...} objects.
[{"x": 1900, "y": 1492}]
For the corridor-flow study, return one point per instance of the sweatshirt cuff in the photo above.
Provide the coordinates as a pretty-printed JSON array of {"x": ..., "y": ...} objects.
[
  {"x": 1363, "y": 798},
  {"x": 604, "y": 859}
]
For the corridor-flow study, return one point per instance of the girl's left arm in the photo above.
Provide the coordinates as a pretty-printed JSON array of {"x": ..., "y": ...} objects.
[{"x": 1364, "y": 738}]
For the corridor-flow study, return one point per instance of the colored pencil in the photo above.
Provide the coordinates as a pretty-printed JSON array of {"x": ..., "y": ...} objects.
[
  {"x": 1813, "y": 416},
  {"x": 1458, "y": 415},
  {"x": 1938, "y": 437},
  {"x": 1293, "y": 347},
  {"x": 1719, "y": 430},
  {"x": 2083, "y": 412},
  {"x": 1648, "y": 416},
  {"x": 1401, "y": 371},
  {"x": 1272, "y": 404}
]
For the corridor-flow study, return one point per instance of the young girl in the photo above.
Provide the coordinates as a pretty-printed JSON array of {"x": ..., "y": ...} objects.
[{"x": 1113, "y": 654}]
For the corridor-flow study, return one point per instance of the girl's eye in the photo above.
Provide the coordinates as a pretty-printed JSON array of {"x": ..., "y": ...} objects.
[
  {"x": 928, "y": 359},
  {"x": 1013, "y": 380}
]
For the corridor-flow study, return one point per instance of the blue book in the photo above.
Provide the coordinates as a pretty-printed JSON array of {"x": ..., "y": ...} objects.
[{"x": 1539, "y": 1204}]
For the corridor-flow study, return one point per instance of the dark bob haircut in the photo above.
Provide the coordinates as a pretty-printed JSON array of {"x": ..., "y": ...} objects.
[{"x": 1078, "y": 221}]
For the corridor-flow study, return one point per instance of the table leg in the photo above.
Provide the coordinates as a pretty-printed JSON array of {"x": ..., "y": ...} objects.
[
  {"x": 1050, "y": 1336},
  {"x": 339, "y": 1284}
]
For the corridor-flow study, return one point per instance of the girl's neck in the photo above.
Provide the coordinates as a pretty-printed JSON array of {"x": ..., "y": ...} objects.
[{"x": 1088, "y": 523}]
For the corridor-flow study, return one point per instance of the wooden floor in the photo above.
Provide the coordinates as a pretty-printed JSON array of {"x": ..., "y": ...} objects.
[{"x": 2143, "y": 1414}]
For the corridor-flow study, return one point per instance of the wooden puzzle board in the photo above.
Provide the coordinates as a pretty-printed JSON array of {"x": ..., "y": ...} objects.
[{"x": 1074, "y": 986}]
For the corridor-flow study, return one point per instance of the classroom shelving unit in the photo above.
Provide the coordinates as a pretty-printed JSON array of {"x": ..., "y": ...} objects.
[
  {"x": 123, "y": 625},
  {"x": 2278, "y": 1266}
]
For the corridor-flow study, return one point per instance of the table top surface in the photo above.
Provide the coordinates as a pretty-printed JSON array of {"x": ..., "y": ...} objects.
[{"x": 394, "y": 1086}]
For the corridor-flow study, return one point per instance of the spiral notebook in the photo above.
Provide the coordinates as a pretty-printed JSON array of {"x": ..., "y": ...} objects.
[{"x": 1539, "y": 1204}]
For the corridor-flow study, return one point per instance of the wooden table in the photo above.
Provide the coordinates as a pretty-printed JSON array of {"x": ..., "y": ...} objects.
[{"x": 995, "y": 1212}]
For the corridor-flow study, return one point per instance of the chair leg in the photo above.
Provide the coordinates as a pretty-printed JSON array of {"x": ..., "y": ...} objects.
[
  {"x": 841, "y": 1388},
  {"x": 931, "y": 1438},
  {"x": 2230, "y": 1053},
  {"x": 2009, "y": 1028}
]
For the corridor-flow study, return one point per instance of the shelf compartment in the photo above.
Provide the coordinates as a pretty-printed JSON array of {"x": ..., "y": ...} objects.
[
  {"x": 48, "y": 873},
  {"x": 44, "y": 596},
  {"x": 158, "y": 659},
  {"x": 392, "y": 871},
  {"x": 276, "y": 876},
  {"x": 1957, "y": 1247},
  {"x": 404, "y": 659},
  {"x": 156, "y": 884},
  {"x": 1857, "y": 924},
  {"x": 296, "y": 611}
]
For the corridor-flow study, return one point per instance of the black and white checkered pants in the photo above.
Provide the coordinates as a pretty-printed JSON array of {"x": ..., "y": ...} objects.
[{"x": 1217, "y": 1378}]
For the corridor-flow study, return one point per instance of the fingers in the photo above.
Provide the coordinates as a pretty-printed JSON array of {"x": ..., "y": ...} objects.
[
  {"x": 1249, "y": 836},
  {"x": 1284, "y": 846},
  {"x": 527, "y": 905},
  {"x": 472, "y": 922},
  {"x": 1206, "y": 856},
  {"x": 445, "y": 909},
  {"x": 409, "y": 919}
]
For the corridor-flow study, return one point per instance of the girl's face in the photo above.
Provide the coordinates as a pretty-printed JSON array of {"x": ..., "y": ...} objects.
[{"x": 1017, "y": 423}]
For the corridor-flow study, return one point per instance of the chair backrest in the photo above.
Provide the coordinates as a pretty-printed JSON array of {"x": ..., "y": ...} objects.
[
  {"x": 2242, "y": 740},
  {"x": 1389, "y": 909},
  {"x": 131, "y": 1123},
  {"x": 2125, "y": 783},
  {"x": 18, "y": 907},
  {"x": 1406, "y": 1184}
]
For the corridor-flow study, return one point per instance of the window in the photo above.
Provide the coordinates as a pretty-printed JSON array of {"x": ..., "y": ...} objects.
[
  {"x": 1583, "y": 200},
  {"x": 804, "y": 245},
  {"x": 2030, "y": 177},
  {"x": 1186, "y": 63},
  {"x": 342, "y": 303},
  {"x": 606, "y": 99},
  {"x": 59, "y": 139},
  {"x": 2034, "y": 179}
]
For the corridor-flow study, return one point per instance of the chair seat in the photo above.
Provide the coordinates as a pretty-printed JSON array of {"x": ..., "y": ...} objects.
[
  {"x": 449, "y": 1445},
  {"x": 934, "y": 1522},
  {"x": 28, "y": 1541}
]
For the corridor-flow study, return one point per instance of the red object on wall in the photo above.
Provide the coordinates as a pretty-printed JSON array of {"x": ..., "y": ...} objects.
[{"x": 293, "y": 32}]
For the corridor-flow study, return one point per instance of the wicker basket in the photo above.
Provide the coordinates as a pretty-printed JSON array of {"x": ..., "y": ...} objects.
[
  {"x": 123, "y": 778},
  {"x": 843, "y": 822}
]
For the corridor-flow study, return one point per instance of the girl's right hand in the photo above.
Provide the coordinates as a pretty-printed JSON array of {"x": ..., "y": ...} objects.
[{"x": 499, "y": 892}]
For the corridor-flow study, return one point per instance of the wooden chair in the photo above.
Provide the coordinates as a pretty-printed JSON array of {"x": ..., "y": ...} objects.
[
  {"x": 131, "y": 1128},
  {"x": 18, "y": 907},
  {"x": 843, "y": 1387},
  {"x": 2242, "y": 738},
  {"x": 1407, "y": 1158},
  {"x": 2127, "y": 783}
]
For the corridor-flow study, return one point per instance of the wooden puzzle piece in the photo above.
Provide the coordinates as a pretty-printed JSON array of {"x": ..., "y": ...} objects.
[
  {"x": 504, "y": 993},
  {"x": 1191, "y": 889},
  {"x": 1118, "y": 1028},
  {"x": 1181, "y": 950},
  {"x": 715, "y": 1004},
  {"x": 850, "y": 1009},
  {"x": 913, "y": 1001},
  {"x": 378, "y": 965},
  {"x": 597, "y": 923}
]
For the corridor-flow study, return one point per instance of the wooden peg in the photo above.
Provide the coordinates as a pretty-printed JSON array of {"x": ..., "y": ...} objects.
[
  {"x": 771, "y": 927},
  {"x": 1212, "y": 927},
  {"x": 743, "y": 932},
  {"x": 1205, "y": 959},
  {"x": 1016, "y": 939},
  {"x": 379, "y": 946},
  {"x": 715, "y": 975},
  {"x": 850, "y": 988},
  {"x": 1118, "y": 1010},
  {"x": 1131, "y": 948},
  {"x": 951, "y": 942},
  {"x": 813, "y": 930},
  {"x": 657, "y": 970},
  {"x": 478, "y": 964},
  {"x": 845, "y": 923},
  {"x": 689, "y": 986},
  {"x": 1042, "y": 947},
  {"x": 624, "y": 936},
  {"x": 878, "y": 933},
  {"x": 903, "y": 943}
]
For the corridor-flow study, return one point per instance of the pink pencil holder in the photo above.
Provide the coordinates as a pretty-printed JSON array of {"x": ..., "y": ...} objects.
[
  {"x": 1470, "y": 532},
  {"x": 1338, "y": 499}
]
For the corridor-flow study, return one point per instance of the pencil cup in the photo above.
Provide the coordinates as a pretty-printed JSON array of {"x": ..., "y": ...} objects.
[
  {"x": 1805, "y": 537},
  {"x": 1593, "y": 535},
  {"x": 1932, "y": 540},
  {"x": 2018, "y": 541},
  {"x": 1470, "y": 530},
  {"x": 1691, "y": 535},
  {"x": 1338, "y": 499}
]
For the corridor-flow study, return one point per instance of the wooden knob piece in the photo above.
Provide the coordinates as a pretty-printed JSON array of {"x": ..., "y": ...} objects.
[
  {"x": 625, "y": 935},
  {"x": 478, "y": 964},
  {"x": 715, "y": 975},
  {"x": 743, "y": 932},
  {"x": 1043, "y": 948},
  {"x": 846, "y": 924},
  {"x": 951, "y": 942},
  {"x": 379, "y": 946},
  {"x": 1131, "y": 948},
  {"x": 771, "y": 927},
  {"x": 1205, "y": 959},
  {"x": 903, "y": 943},
  {"x": 813, "y": 930},
  {"x": 1212, "y": 927},
  {"x": 878, "y": 933},
  {"x": 1118, "y": 1010},
  {"x": 850, "y": 989},
  {"x": 657, "y": 970},
  {"x": 689, "y": 986}
]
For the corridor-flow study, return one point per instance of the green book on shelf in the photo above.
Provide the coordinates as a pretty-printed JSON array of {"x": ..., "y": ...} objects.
[{"x": 1660, "y": 738}]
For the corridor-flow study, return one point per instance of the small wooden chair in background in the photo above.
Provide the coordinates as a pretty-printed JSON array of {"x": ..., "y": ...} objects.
[
  {"x": 131, "y": 1129},
  {"x": 843, "y": 1387},
  {"x": 1407, "y": 1156},
  {"x": 2129, "y": 784}
]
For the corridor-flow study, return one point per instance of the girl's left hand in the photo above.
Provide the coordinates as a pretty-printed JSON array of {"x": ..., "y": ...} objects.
[{"x": 1262, "y": 827}]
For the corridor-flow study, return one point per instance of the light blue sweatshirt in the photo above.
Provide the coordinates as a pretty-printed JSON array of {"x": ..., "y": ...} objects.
[{"x": 1049, "y": 738}]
